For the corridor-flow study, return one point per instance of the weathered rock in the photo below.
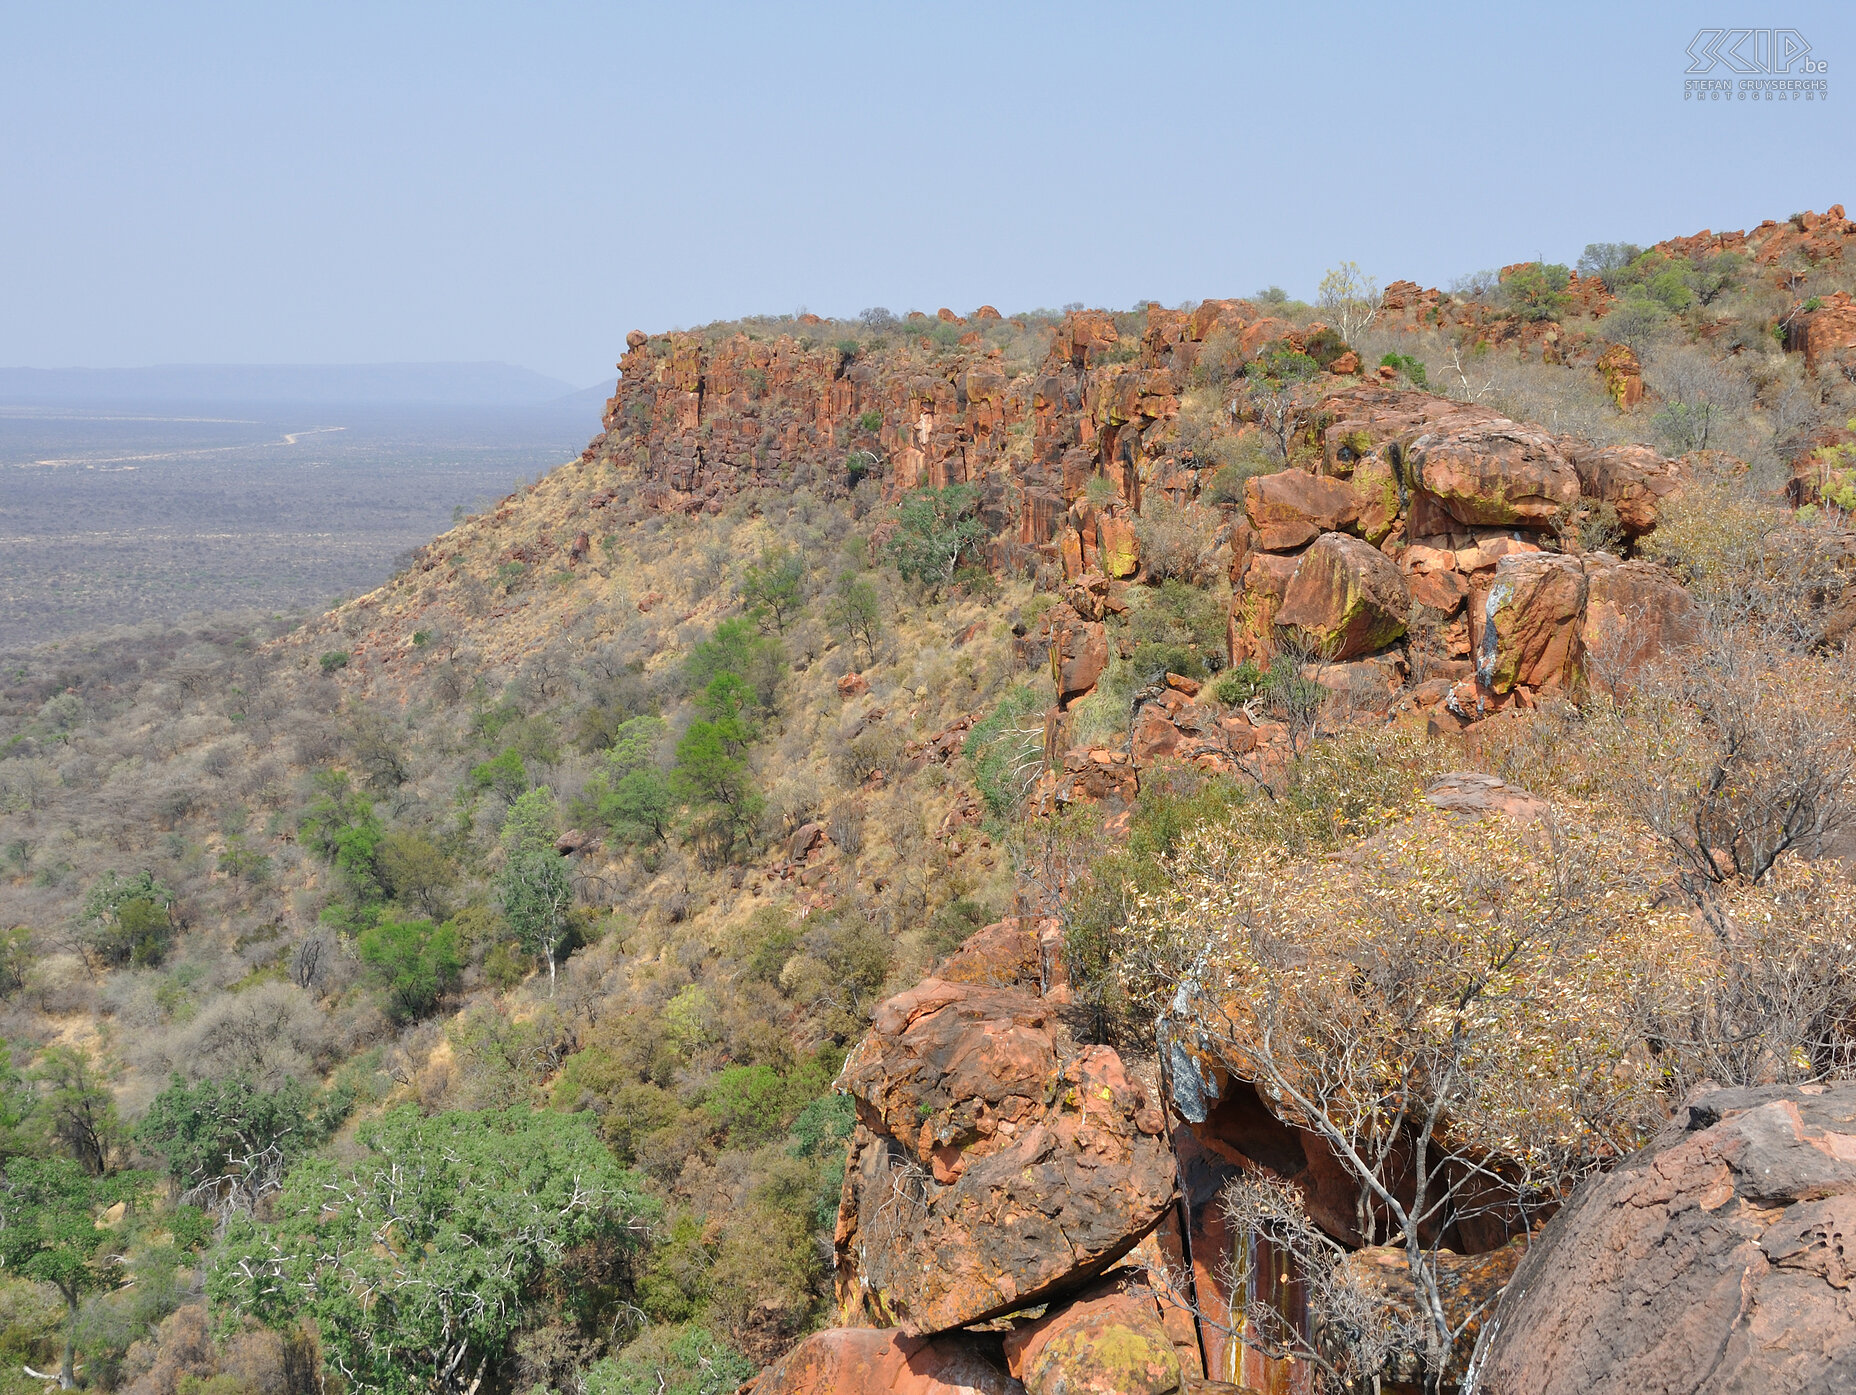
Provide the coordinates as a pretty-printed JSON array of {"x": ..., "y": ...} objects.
[
  {"x": 1495, "y": 472},
  {"x": 1346, "y": 596},
  {"x": 1623, "y": 376},
  {"x": 1821, "y": 333},
  {"x": 1005, "y": 954},
  {"x": 853, "y": 685},
  {"x": 1110, "y": 1342},
  {"x": 1634, "y": 611},
  {"x": 1634, "y": 480},
  {"x": 1118, "y": 548},
  {"x": 1470, "y": 792},
  {"x": 1720, "y": 1258},
  {"x": 997, "y": 1164},
  {"x": 1531, "y": 623},
  {"x": 1443, "y": 592},
  {"x": 881, "y": 1361},
  {"x": 1078, "y": 654},
  {"x": 1292, "y": 507}
]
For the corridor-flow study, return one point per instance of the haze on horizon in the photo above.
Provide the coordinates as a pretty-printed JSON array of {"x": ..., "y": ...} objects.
[{"x": 356, "y": 184}]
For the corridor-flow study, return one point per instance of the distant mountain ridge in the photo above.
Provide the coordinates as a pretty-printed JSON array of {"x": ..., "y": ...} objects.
[{"x": 454, "y": 384}]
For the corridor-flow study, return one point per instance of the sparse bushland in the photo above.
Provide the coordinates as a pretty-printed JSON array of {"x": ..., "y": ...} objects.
[
  {"x": 271, "y": 928},
  {"x": 273, "y": 908}
]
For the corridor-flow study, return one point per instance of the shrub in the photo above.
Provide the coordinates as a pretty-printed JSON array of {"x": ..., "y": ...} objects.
[
  {"x": 1236, "y": 686},
  {"x": 128, "y": 920},
  {"x": 871, "y": 421},
  {"x": 670, "y": 1360},
  {"x": 1006, "y": 749},
  {"x": 487, "y": 1206},
  {"x": 413, "y": 963},
  {"x": 1412, "y": 368},
  {"x": 1536, "y": 291},
  {"x": 334, "y": 659}
]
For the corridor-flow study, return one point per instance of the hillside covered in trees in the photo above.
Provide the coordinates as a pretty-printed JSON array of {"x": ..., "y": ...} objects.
[{"x": 1132, "y": 851}]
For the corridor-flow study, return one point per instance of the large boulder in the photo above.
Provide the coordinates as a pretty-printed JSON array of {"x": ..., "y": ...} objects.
[
  {"x": 881, "y": 1361},
  {"x": 1634, "y": 611},
  {"x": 1111, "y": 1342},
  {"x": 1634, "y": 480},
  {"x": 1346, "y": 596},
  {"x": 1493, "y": 472},
  {"x": 997, "y": 1163},
  {"x": 1531, "y": 623},
  {"x": 1720, "y": 1258},
  {"x": 1292, "y": 508}
]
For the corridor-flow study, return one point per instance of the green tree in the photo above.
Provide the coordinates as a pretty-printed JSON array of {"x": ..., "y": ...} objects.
[
  {"x": 737, "y": 647},
  {"x": 533, "y": 888},
  {"x": 631, "y": 798},
  {"x": 419, "y": 1260},
  {"x": 416, "y": 872},
  {"x": 938, "y": 528},
  {"x": 506, "y": 773},
  {"x": 76, "y": 1109},
  {"x": 713, "y": 778},
  {"x": 856, "y": 612},
  {"x": 1537, "y": 291},
  {"x": 634, "y": 745},
  {"x": 639, "y": 807},
  {"x": 413, "y": 963},
  {"x": 227, "y": 1142},
  {"x": 340, "y": 827},
  {"x": 128, "y": 920},
  {"x": 49, "y": 1209},
  {"x": 770, "y": 588}
]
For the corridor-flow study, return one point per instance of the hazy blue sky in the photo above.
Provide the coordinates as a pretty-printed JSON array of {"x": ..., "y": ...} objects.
[{"x": 318, "y": 183}]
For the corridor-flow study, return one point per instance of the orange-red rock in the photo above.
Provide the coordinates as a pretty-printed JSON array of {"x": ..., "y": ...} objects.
[
  {"x": 998, "y": 1163},
  {"x": 1721, "y": 1258},
  {"x": 1494, "y": 472},
  {"x": 1634, "y": 611},
  {"x": 880, "y": 1361},
  {"x": 1078, "y": 654},
  {"x": 1633, "y": 479},
  {"x": 1347, "y": 597},
  {"x": 1111, "y": 1342},
  {"x": 1292, "y": 507},
  {"x": 1531, "y": 623}
]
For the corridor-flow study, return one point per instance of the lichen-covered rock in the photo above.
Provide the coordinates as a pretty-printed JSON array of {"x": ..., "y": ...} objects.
[
  {"x": 1494, "y": 472},
  {"x": 1347, "y": 596},
  {"x": 1720, "y": 1258},
  {"x": 1292, "y": 508},
  {"x": 997, "y": 1162},
  {"x": 1108, "y": 1343},
  {"x": 1531, "y": 623},
  {"x": 881, "y": 1361},
  {"x": 1117, "y": 546},
  {"x": 1623, "y": 376}
]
